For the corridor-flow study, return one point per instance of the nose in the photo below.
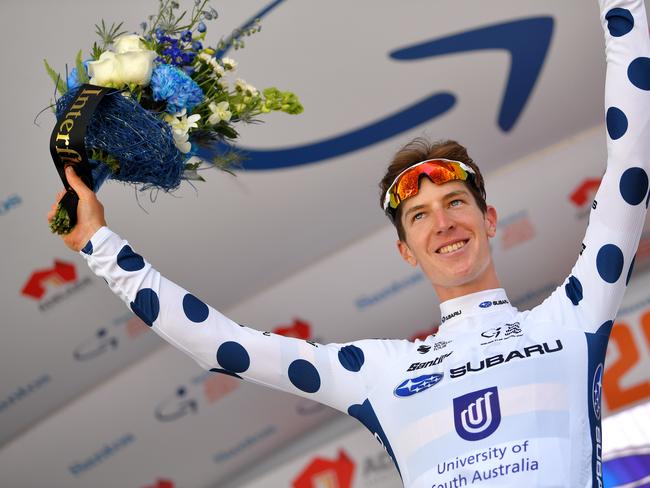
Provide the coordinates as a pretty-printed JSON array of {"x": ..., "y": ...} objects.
[{"x": 442, "y": 221}]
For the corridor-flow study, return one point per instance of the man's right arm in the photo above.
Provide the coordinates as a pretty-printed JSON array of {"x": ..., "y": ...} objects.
[{"x": 333, "y": 374}]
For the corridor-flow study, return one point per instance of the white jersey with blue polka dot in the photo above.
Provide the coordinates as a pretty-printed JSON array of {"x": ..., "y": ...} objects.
[{"x": 497, "y": 397}]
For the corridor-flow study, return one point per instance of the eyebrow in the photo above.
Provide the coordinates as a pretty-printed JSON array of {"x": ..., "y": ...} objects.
[{"x": 447, "y": 196}]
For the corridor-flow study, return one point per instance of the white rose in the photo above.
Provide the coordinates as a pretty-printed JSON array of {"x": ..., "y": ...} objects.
[
  {"x": 117, "y": 69},
  {"x": 127, "y": 43},
  {"x": 103, "y": 71},
  {"x": 136, "y": 66}
]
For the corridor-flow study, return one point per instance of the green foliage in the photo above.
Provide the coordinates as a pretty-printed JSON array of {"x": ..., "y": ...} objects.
[
  {"x": 82, "y": 76},
  {"x": 108, "y": 35},
  {"x": 59, "y": 83}
]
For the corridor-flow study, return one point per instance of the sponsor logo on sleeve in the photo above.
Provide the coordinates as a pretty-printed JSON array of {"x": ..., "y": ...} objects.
[
  {"x": 506, "y": 331},
  {"x": 477, "y": 414},
  {"x": 412, "y": 386},
  {"x": 428, "y": 364},
  {"x": 597, "y": 390},
  {"x": 457, "y": 313},
  {"x": 522, "y": 353}
]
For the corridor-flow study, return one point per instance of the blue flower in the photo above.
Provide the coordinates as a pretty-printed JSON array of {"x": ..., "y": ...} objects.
[
  {"x": 170, "y": 84},
  {"x": 186, "y": 36},
  {"x": 73, "y": 77},
  {"x": 197, "y": 46},
  {"x": 201, "y": 27}
]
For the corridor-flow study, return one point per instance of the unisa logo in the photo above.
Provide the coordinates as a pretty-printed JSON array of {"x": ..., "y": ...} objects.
[{"x": 412, "y": 386}]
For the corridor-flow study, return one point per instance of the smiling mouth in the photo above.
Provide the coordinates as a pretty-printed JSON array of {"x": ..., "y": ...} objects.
[{"x": 452, "y": 247}]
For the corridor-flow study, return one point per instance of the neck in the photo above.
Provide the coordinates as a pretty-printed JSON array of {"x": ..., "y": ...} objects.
[{"x": 488, "y": 280}]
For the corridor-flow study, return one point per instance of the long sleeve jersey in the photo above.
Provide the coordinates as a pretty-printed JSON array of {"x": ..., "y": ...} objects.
[{"x": 498, "y": 397}]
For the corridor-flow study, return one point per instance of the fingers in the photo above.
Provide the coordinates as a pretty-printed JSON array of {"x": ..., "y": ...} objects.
[{"x": 77, "y": 183}]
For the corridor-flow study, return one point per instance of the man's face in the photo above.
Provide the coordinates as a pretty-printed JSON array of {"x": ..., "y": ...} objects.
[{"x": 447, "y": 235}]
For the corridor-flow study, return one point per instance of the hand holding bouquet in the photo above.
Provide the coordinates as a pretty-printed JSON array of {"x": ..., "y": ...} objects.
[{"x": 172, "y": 104}]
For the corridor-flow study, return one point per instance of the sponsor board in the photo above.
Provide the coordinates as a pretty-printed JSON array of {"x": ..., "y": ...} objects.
[
  {"x": 625, "y": 381},
  {"x": 9, "y": 203},
  {"x": 582, "y": 196},
  {"x": 516, "y": 229},
  {"x": 326, "y": 473},
  {"x": 61, "y": 278},
  {"x": 108, "y": 337},
  {"x": 204, "y": 389},
  {"x": 107, "y": 451},
  {"x": 244, "y": 444},
  {"x": 24, "y": 391},
  {"x": 162, "y": 483},
  {"x": 389, "y": 291}
]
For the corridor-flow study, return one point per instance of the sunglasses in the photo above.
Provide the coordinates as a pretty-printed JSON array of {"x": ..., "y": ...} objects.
[{"x": 407, "y": 183}]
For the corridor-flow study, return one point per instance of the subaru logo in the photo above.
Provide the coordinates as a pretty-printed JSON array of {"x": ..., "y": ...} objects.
[
  {"x": 412, "y": 386},
  {"x": 597, "y": 389},
  {"x": 485, "y": 304},
  {"x": 477, "y": 415}
]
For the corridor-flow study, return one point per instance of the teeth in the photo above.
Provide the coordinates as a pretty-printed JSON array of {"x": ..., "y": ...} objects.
[{"x": 451, "y": 247}]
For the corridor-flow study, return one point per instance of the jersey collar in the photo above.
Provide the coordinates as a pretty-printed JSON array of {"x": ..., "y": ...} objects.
[{"x": 481, "y": 302}]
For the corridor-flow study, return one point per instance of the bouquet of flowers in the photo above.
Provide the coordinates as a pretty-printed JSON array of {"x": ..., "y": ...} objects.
[{"x": 174, "y": 104}]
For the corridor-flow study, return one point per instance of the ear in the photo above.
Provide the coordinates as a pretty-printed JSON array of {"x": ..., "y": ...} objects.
[
  {"x": 491, "y": 221},
  {"x": 406, "y": 253}
]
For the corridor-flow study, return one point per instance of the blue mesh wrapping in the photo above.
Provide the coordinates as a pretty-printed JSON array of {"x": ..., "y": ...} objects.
[{"x": 138, "y": 139}]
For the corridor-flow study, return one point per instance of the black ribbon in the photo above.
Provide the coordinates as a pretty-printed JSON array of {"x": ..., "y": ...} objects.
[{"x": 67, "y": 142}]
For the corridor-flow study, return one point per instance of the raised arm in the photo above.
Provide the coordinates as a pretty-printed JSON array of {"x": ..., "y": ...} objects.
[
  {"x": 333, "y": 374},
  {"x": 591, "y": 295}
]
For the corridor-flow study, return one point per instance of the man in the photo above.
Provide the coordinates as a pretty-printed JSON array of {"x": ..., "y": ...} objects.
[{"x": 497, "y": 397}]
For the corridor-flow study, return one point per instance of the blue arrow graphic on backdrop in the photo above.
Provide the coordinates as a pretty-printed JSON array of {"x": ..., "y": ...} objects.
[{"x": 526, "y": 40}]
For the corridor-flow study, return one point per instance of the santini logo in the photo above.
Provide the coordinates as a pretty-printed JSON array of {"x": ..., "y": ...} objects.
[
  {"x": 416, "y": 385},
  {"x": 524, "y": 353},
  {"x": 427, "y": 364},
  {"x": 477, "y": 415}
]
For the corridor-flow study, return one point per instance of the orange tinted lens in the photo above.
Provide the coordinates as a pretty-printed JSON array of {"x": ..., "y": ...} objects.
[{"x": 408, "y": 184}]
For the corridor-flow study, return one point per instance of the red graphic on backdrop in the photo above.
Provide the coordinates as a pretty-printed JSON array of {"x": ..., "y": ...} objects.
[
  {"x": 299, "y": 329},
  {"x": 218, "y": 386},
  {"x": 61, "y": 273},
  {"x": 517, "y": 232},
  {"x": 162, "y": 484},
  {"x": 324, "y": 473},
  {"x": 423, "y": 334},
  {"x": 136, "y": 327},
  {"x": 585, "y": 192}
]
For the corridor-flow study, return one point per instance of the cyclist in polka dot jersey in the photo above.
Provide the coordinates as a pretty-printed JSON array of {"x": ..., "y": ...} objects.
[{"x": 498, "y": 397}]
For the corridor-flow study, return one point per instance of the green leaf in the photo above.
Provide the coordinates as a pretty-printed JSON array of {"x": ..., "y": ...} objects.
[
  {"x": 56, "y": 78},
  {"x": 82, "y": 76}
]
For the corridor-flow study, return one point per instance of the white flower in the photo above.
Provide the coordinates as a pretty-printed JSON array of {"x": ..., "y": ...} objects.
[
  {"x": 229, "y": 63},
  {"x": 220, "y": 111},
  {"x": 242, "y": 86},
  {"x": 181, "y": 124},
  {"x": 214, "y": 64},
  {"x": 130, "y": 42},
  {"x": 103, "y": 72},
  {"x": 116, "y": 69}
]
